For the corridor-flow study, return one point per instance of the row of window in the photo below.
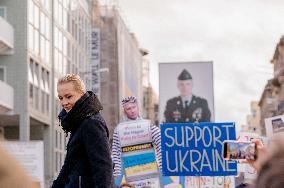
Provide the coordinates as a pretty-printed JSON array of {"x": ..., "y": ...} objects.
[
  {"x": 60, "y": 144},
  {"x": 39, "y": 32},
  {"x": 39, "y": 87}
]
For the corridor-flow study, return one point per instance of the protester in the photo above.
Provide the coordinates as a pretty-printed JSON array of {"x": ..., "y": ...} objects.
[
  {"x": 88, "y": 159},
  {"x": 269, "y": 163},
  {"x": 131, "y": 112},
  {"x": 12, "y": 175}
]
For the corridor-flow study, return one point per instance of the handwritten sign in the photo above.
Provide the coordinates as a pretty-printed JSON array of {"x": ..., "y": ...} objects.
[
  {"x": 134, "y": 132},
  {"x": 274, "y": 125},
  {"x": 212, "y": 182},
  {"x": 140, "y": 164},
  {"x": 150, "y": 182},
  {"x": 196, "y": 149}
]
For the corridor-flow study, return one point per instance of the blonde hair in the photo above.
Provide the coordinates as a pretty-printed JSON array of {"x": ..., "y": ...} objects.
[{"x": 78, "y": 83}]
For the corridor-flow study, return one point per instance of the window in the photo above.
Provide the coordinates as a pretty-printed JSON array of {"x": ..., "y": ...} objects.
[
  {"x": 47, "y": 103},
  {"x": 36, "y": 42},
  {"x": 31, "y": 37},
  {"x": 31, "y": 94},
  {"x": 43, "y": 102},
  {"x": 3, "y": 12},
  {"x": 31, "y": 11},
  {"x": 47, "y": 27},
  {"x": 2, "y": 74},
  {"x": 42, "y": 48},
  {"x": 47, "y": 55},
  {"x": 42, "y": 85},
  {"x": 31, "y": 77},
  {"x": 36, "y": 17}
]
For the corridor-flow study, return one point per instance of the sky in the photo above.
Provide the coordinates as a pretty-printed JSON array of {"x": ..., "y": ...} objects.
[{"x": 239, "y": 36}]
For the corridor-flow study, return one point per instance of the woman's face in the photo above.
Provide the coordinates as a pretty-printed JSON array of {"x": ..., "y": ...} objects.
[{"x": 67, "y": 95}]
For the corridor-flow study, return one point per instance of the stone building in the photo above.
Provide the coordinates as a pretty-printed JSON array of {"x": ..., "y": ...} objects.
[
  {"x": 51, "y": 39},
  {"x": 272, "y": 99},
  {"x": 121, "y": 56}
]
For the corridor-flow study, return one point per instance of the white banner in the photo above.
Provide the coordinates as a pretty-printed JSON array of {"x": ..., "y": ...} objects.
[
  {"x": 30, "y": 155},
  {"x": 274, "y": 125},
  {"x": 134, "y": 132},
  {"x": 95, "y": 60},
  {"x": 151, "y": 183},
  {"x": 212, "y": 182}
]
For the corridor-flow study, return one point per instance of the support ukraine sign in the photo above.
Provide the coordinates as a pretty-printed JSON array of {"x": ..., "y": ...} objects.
[{"x": 190, "y": 149}]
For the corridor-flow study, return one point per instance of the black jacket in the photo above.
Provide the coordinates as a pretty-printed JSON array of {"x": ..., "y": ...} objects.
[{"x": 88, "y": 161}]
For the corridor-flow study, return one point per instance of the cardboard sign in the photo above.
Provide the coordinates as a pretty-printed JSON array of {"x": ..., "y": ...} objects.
[
  {"x": 190, "y": 149},
  {"x": 212, "y": 182},
  {"x": 140, "y": 164},
  {"x": 274, "y": 125},
  {"x": 150, "y": 182},
  {"x": 134, "y": 132},
  {"x": 30, "y": 156}
]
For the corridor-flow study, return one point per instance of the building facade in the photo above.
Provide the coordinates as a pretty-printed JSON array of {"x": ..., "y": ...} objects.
[
  {"x": 150, "y": 98},
  {"x": 253, "y": 119},
  {"x": 6, "y": 49},
  {"x": 272, "y": 98},
  {"x": 121, "y": 56},
  {"x": 51, "y": 39}
]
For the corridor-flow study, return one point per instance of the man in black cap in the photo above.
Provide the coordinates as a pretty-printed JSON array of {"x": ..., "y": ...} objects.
[{"x": 186, "y": 107}]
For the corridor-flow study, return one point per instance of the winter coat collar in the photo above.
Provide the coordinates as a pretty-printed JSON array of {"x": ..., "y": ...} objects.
[{"x": 87, "y": 105}]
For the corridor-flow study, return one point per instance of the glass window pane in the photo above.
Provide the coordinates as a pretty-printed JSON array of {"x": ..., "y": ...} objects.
[
  {"x": 47, "y": 5},
  {"x": 2, "y": 74},
  {"x": 36, "y": 42},
  {"x": 43, "y": 102},
  {"x": 31, "y": 11},
  {"x": 47, "y": 27},
  {"x": 30, "y": 37},
  {"x": 60, "y": 62},
  {"x": 64, "y": 65},
  {"x": 56, "y": 9},
  {"x": 42, "y": 47},
  {"x": 60, "y": 14},
  {"x": 36, "y": 17},
  {"x": 47, "y": 55},
  {"x": 60, "y": 41},
  {"x": 56, "y": 37},
  {"x": 47, "y": 103},
  {"x": 42, "y": 23},
  {"x": 56, "y": 59}
]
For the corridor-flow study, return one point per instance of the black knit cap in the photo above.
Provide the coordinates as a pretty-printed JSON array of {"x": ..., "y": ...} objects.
[{"x": 185, "y": 75}]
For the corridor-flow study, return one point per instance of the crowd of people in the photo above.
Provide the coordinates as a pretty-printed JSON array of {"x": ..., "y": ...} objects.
[{"x": 89, "y": 160}]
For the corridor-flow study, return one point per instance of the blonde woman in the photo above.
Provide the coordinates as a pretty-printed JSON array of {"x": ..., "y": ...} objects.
[{"x": 88, "y": 160}]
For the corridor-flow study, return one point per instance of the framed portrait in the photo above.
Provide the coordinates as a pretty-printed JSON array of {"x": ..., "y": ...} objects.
[{"x": 186, "y": 92}]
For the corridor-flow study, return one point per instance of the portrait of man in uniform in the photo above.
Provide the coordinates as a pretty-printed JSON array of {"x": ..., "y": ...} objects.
[{"x": 186, "y": 107}]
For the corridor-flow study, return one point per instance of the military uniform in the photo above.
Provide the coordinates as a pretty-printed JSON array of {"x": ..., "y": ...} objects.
[
  {"x": 196, "y": 110},
  {"x": 193, "y": 110}
]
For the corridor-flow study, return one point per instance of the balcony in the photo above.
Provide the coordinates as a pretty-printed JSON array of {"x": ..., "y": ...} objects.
[
  {"x": 6, "y": 37},
  {"x": 6, "y": 97}
]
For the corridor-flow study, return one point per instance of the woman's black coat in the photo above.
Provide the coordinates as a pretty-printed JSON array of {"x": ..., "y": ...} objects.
[{"x": 88, "y": 161}]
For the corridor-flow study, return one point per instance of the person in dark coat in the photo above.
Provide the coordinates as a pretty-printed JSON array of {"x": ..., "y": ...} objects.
[
  {"x": 88, "y": 161},
  {"x": 186, "y": 107}
]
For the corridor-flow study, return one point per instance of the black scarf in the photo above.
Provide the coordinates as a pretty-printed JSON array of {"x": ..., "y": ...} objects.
[{"x": 87, "y": 105}]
